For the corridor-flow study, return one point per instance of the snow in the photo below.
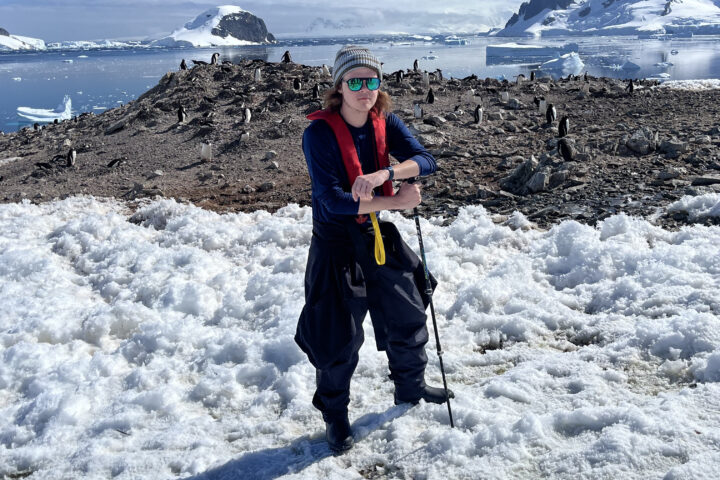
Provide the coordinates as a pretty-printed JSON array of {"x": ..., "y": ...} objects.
[
  {"x": 62, "y": 112},
  {"x": 17, "y": 42},
  {"x": 567, "y": 64},
  {"x": 158, "y": 344},
  {"x": 703, "y": 84},
  {"x": 93, "y": 45},
  {"x": 513, "y": 49},
  {"x": 620, "y": 17},
  {"x": 198, "y": 32}
]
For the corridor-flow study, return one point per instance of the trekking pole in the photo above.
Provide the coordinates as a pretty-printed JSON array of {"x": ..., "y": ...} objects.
[{"x": 429, "y": 293}]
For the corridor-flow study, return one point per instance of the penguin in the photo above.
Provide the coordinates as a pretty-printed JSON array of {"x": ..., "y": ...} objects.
[
  {"x": 316, "y": 91},
  {"x": 399, "y": 76},
  {"x": 416, "y": 65},
  {"x": 227, "y": 62},
  {"x": 115, "y": 163},
  {"x": 297, "y": 84},
  {"x": 199, "y": 62},
  {"x": 430, "y": 96},
  {"x": 532, "y": 76},
  {"x": 478, "y": 114},
  {"x": 247, "y": 115},
  {"x": 536, "y": 101},
  {"x": 214, "y": 58},
  {"x": 550, "y": 114},
  {"x": 563, "y": 127},
  {"x": 565, "y": 150},
  {"x": 206, "y": 152},
  {"x": 286, "y": 57},
  {"x": 258, "y": 75},
  {"x": 439, "y": 75},
  {"x": 325, "y": 70},
  {"x": 56, "y": 121},
  {"x": 182, "y": 114},
  {"x": 418, "y": 111},
  {"x": 71, "y": 156},
  {"x": 426, "y": 79},
  {"x": 36, "y": 126},
  {"x": 183, "y": 65},
  {"x": 630, "y": 87},
  {"x": 520, "y": 78},
  {"x": 585, "y": 77}
]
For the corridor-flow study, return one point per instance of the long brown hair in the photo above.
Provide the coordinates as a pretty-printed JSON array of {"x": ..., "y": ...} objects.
[{"x": 334, "y": 99}]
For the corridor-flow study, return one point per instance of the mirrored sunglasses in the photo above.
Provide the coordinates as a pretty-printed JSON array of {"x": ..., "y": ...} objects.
[{"x": 355, "y": 84}]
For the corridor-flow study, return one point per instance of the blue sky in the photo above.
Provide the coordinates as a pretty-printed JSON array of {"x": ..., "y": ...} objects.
[{"x": 55, "y": 20}]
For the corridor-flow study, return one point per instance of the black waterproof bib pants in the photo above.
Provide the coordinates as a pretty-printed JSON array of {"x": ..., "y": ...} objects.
[{"x": 342, "y": 283}]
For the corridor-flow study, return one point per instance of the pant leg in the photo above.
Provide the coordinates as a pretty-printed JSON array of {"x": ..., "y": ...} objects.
[
  {"x": 332, "y": 394},
  {"x": 395, "y": 302}
]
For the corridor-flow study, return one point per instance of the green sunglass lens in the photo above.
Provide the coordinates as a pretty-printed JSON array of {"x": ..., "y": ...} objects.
[
  {"x": 355, "y": 84},
  {"x": 373, "y": 83}
]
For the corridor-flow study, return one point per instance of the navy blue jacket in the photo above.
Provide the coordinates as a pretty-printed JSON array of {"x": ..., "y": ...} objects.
[{"x": 331, "y": 201}]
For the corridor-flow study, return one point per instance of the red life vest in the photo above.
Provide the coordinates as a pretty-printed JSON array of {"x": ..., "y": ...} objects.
[{"x": 347, "y": 146}]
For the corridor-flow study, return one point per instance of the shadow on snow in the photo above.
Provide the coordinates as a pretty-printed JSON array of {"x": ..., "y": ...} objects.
[{"x": 272, "y": 463}]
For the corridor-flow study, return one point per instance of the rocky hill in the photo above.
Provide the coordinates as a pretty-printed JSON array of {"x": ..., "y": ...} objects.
[
  {"x": 630, "y": 152},
  {"x": 224, "y": 25}
]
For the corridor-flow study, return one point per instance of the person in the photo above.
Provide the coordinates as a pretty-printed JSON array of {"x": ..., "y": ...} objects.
[{"x": 347, "y": 148}]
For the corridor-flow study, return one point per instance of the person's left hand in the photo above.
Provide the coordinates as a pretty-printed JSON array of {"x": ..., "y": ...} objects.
[{"x": 364, "y": 184}]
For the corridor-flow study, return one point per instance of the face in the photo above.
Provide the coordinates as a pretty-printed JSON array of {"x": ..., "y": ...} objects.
[{"x": 362, "y": 100}]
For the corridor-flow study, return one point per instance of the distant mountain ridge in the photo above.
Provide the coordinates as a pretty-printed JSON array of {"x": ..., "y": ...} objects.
[
  {"x": 4, "y": 32},
  {"x": 614, "y": 17}
]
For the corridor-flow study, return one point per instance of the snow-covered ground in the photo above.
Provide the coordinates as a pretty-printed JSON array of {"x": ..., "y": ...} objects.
[{"x": 159, "y": 344}]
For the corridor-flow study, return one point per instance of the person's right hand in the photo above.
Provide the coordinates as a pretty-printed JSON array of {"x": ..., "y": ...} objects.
[{"x": 408, "y": 196}]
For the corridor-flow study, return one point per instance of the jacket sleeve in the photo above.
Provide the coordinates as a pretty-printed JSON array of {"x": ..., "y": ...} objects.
[
  {"x": 403, "y": 146},
  {"x": 327, "y": 172}
]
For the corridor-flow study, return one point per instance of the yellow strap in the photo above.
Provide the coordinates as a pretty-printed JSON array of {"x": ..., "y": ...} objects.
[{"x": 379, "y": 246}]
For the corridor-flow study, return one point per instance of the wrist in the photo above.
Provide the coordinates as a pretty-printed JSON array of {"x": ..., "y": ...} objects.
[{"x": 391, "y": 172}]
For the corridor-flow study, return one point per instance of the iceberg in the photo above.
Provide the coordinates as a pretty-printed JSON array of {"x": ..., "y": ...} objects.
[
  {"x": 567, "y": 64},
  {"x": 524, "y": 50},
  {"x": 62, "y": 112}
]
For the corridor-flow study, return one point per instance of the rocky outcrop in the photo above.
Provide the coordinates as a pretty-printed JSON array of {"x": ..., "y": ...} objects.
[
  {"x": 243, "y": 26},
  {"x": 534, "y": 7},
  {"x": 225, "y": 25}
]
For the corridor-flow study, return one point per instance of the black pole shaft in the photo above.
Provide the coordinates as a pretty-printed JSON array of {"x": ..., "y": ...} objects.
[{"x": 429, "y": 293}]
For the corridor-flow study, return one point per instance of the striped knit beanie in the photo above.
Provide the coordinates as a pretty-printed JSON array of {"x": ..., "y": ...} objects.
[{"x": 354, "y": 56}]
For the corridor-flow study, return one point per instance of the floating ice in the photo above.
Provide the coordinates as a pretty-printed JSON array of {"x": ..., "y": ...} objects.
[
  {"x": 567, "y": 64},
  {"x": 62, "y": 112}
]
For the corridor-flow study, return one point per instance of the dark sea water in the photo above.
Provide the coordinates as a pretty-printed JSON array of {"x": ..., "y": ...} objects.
[{"x": 97, "y": 80}]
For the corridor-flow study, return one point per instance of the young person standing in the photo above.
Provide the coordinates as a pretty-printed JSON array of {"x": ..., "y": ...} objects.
[{"x": 347, "y": 149}]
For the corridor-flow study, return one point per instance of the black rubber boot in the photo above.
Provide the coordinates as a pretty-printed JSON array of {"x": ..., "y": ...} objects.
[
  {"x": 429, "y": 394},
  {"x": 338, "y": 432}
]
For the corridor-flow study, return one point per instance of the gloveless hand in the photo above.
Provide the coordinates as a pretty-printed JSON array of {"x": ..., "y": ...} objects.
[
  {"x": 364, "y": 184},
  {"x": 408, "y": 196}
]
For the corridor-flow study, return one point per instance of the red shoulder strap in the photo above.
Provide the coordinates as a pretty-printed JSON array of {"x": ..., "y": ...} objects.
[{"x": 347, "y": 146}]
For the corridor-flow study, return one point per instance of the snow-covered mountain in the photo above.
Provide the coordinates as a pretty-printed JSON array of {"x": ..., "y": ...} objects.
[
  {"x": 614, "y": 17},
  {"x": 16, "y": 42},
  {"x": 223, "y": 25}
]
